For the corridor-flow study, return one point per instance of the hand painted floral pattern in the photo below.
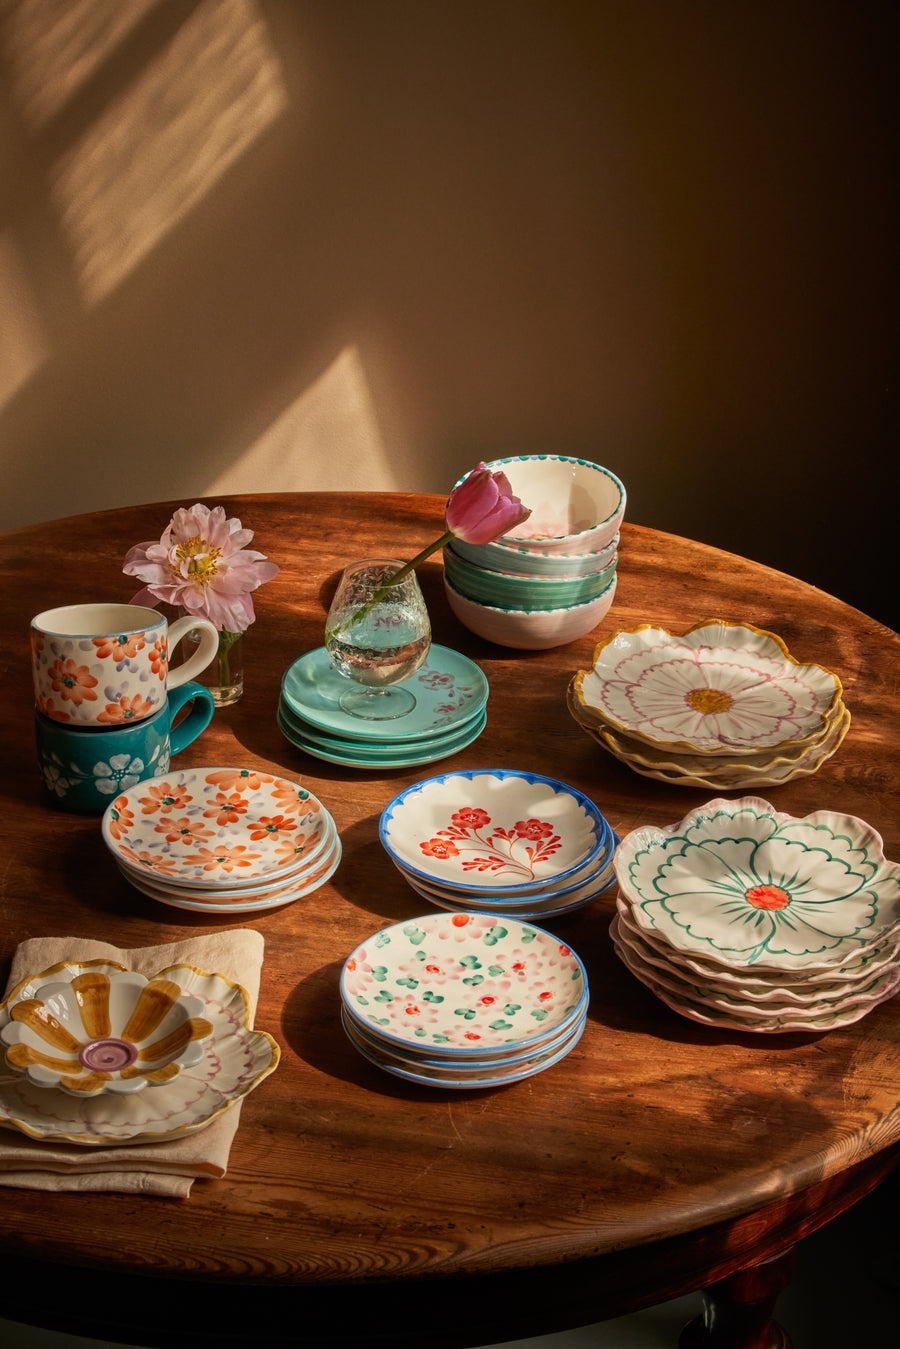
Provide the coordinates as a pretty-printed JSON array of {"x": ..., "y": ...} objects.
[
  {"x": 464, "y": 981},
  {"x": 496, "y": 850},
  {"x": 216, "y": 826},
  {"x": 752, "y": 886},
  {"x": 488, "y": 828},
  {"x": 720, "y": 687}
]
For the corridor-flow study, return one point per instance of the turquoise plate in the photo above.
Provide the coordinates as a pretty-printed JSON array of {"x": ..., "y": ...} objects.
[
  {"x": 397, "y": 756},
  {"x": 450, "y": 691},
  {"x": 338, "y": 744}
]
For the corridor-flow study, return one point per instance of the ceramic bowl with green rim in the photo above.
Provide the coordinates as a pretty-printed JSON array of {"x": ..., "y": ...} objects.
[
  {"x": 576, "y": 506},
  {"x": 507, "y": 555},
  {"x": 530, "y": 629},
  {"x": 538, "y": 592}
]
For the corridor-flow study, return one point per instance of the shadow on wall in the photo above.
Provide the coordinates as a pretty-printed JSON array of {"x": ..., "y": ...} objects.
[{"x": 268, "y": 245}]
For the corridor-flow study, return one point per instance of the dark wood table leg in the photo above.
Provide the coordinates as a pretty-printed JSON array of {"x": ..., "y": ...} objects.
[{"x": 737, "y": 1313}]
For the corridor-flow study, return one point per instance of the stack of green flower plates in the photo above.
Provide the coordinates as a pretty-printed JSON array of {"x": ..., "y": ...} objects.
[{"x": 451, "y": 694}]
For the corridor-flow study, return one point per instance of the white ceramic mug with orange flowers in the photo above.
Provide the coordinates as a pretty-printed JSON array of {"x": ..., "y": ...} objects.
[{"x": 104, "y": 665}]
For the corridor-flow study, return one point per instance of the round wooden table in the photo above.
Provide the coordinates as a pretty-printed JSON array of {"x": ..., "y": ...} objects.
[{"x": 658, "y": 1157}]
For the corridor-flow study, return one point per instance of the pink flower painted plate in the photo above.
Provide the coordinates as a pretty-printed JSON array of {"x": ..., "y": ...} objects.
[
  {"x": 720, "y": 689},
  {"x": 216, "y": 828}
]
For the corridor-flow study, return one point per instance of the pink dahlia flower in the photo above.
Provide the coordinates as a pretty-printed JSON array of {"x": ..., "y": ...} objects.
[{"x": 203, "y": 564}]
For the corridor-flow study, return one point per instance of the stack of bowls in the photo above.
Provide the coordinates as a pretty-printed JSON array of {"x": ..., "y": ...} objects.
[
  {"x": 498, "y": 841},
  {"x": 553, "y": 578},
  {"x": 744, "y": 917},
  {"x": 725, "y": 705},
  {"x": 461, "y": 1001},
  {"x": 222, "y": 840}
]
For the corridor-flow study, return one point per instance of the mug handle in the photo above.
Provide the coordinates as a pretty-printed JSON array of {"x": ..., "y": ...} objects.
[
  {"x": 197, "y": 719},
  {"x": 203, "y": 656}
]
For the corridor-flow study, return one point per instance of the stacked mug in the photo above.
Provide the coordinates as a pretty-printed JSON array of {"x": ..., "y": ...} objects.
[{"x": 106, "y": 701}]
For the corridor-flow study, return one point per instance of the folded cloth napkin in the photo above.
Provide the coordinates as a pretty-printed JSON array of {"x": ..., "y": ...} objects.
[{"x": 168, "y": 1168}]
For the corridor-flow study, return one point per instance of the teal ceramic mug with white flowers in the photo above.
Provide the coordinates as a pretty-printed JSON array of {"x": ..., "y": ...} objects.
[{"x": 84, "y": 769}]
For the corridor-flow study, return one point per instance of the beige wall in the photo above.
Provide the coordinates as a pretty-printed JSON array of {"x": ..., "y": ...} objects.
[{"x": 279, "y": 244}]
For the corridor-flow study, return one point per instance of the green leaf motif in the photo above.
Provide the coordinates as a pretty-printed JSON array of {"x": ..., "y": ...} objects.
[
  {"x": 381, "y": 1020},
  {"x": 382, "y": 939},
  {"x": 408, "y": 983},
  {"x": 440, "y": 1039},
  {"x": 500, "y": 1025},
  {"x": 511, "y": 1008},
  {"x": 495, "y": 970},
  {"x": 436, "y": 998},
  {"x": 539, "y": 1014},
  {"x": 415, "y": 934},
  {"x": 465, "y": 1012},
  {"x": 384, "y": 996},
  {"x": 493, "y": 935},
  {"x": 470, "y": 963},
  {"x": 379, "y": 972},
  {"x": 420, "y": 956},
  {"x": 473, "y": 980}
]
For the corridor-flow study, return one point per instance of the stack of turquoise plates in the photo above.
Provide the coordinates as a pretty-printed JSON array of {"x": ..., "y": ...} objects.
[{"x": 450, "y": 691}]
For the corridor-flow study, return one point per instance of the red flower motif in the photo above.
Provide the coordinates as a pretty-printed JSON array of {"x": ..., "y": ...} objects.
[
  {"x": 534, "y": 829},
  {"x": 159, "y": 658},
  {"x": 459, "y": 919},
  {"x": 412, "y": 1011},
  {"x": 271, "y": 824},
  {"x": 441, "y": 848},
  {"x": 471, "y": 817}
]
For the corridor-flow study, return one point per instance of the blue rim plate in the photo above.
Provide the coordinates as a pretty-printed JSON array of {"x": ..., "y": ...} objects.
[
  {"x": 359, "y": 757},
  {"x": 450, "y": 689},
  {"x": 417, "y": 818},
  {"x": 474, "y": 1082}
]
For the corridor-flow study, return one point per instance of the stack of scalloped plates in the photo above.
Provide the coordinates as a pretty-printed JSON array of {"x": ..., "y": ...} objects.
[
  {"x": 744, "y": 917},
  {"x": 725, "y": 706},
  {"x": 222, "y": 840},
  {"x": 463, "y": 1000},
  {"x": 499, "y": 841},
  {"x": 235, "y": 1058},
  {"x": 450, "y": 691}
]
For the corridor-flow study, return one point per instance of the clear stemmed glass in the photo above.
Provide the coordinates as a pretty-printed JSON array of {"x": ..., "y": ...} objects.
[{"x": 377, "y": 635}]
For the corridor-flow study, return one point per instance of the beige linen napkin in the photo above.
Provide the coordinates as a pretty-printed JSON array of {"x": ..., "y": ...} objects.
[{"x": 167, "y": 1168}]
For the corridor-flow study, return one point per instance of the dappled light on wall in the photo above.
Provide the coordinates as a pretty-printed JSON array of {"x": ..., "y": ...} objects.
[
  {"x": 328, "y": 439},
  {"x": 160, "y": 143}
]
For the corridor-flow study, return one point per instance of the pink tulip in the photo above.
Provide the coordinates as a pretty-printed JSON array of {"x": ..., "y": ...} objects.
[
  {"x": 202, "y": 564},
  {"x": 483, "y": 507}
]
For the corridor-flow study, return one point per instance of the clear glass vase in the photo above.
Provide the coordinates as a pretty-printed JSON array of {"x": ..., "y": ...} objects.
[{"x": 224, "y": 676}]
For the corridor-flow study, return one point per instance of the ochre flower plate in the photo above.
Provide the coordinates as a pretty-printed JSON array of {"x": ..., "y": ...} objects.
[
  {"x": 464, "y": 983},
  {"x": 746, "y": 885},
  {"x": 721, "y": 688},
  {"x": 217, "y": 827},
  {"x": 235, "y": 1060},
  {"x": 90, "y": 1032}
]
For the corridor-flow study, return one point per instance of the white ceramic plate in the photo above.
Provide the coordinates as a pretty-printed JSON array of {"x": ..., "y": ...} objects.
[
  {"x": 489, "y": 829},
  {"x": 721, "y": 687},
  {"x": 463, "y": 983},
  {"x": 215, "y": 828},
  {"x": 749, "y": 886}
]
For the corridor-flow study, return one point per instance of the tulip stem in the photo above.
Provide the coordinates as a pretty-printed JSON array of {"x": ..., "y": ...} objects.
[{"x": 398, "y": 575}]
